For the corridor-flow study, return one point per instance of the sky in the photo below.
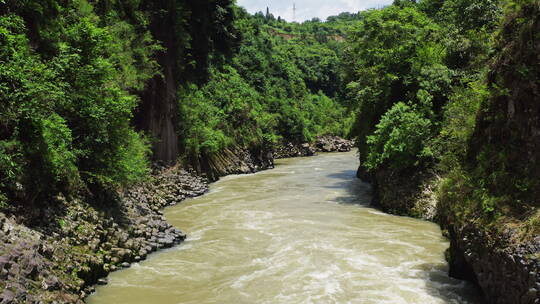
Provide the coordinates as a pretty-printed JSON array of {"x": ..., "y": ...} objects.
[{"x": 308, "y": 9}]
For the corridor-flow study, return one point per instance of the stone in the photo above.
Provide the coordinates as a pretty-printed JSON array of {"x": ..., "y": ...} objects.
[
  {"x": 529, "y": 296},
  {"x": 7, "y": 296},
  {"x": 3, "y": 261},
  {"x": 50, "y": 283}
]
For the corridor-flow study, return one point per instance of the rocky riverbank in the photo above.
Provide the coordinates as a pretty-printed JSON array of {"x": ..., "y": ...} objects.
[
  {"x": 55, "y": 254},
  {"x": 321, "y": 144},
  {"x": 506, "y": 268},
  {"x": 507, "y": 271}
]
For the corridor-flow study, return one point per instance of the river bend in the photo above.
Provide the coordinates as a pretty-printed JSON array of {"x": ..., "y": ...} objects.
[{"x": 301, "y": 233}]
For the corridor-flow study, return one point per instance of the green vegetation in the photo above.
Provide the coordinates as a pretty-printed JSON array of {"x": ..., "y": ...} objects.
[
  {"x": 66, "y": 101},
  {"x": 449, "y": 86},
  {"x": 87, "y": 88},
  {"x": 399, "y": 139},
  {"x": 273, "y": 88},
  {"x": 497, "y": 181},
  {"x": 71, "y": 78},
  {"x": 441, "y": 96}
]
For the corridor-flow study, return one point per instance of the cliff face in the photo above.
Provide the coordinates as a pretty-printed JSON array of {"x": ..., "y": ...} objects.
[
  {"x": 407, "y": 193},
  {"x": 489, "y": 208},
  {"x": 506, "y": 272},
  {"x": 159, "y": 108},
  {"x": 498, "y": 243},
  {"x": 189, "y": 32},
  {"x": 233, "y": 160},
  {"x": 505, "y": 148}
]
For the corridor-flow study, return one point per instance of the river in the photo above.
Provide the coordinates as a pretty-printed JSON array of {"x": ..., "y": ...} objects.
[{"x": 300, "y": 233}]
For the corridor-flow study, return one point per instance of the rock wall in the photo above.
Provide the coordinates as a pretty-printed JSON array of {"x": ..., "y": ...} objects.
[
  {"x": 506, "y": 273},
  {"x": 234, "y": 160},
  {"x": 503, "y": 154},
  {"x": 408, "y": 193},
  {"x": 240, "y": 160}
]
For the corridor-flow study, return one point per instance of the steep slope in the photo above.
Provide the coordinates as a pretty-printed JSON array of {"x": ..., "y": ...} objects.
[{"x": 491, "y": 208}]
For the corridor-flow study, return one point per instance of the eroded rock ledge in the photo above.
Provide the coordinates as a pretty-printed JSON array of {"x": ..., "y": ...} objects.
[{"x": 506, "y": 272}]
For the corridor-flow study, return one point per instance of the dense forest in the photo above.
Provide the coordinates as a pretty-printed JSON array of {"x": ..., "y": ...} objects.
[
  {"x": 89, "y": 87},
  {"x": 438, "y": 95}
]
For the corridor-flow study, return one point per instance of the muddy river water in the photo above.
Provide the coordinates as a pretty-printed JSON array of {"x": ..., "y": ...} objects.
[{"x": 300, "y": 233}]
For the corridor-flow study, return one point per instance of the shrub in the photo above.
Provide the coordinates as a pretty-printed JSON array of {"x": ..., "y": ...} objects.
[{"x": 399, "y": 140}]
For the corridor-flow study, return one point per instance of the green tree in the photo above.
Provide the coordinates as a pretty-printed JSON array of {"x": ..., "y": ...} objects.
[{"x": 393, "y": 54}]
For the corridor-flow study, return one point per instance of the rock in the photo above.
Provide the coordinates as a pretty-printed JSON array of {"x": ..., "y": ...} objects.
[
  {"x": 3, "y": 261},
  {"x": 333, "y": 144},
  {"x": 322, "y": 144},
  {"x": 529, "y": 296},
  {"x": 102, "y": 281},
  {"x": 7, "y": 296},
  {"x": 92, "y": 239},
  {"x": 50, "y": 283}
]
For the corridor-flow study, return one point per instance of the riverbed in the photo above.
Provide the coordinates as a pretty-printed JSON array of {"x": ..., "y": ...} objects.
[{"x": 301, "y": 233}]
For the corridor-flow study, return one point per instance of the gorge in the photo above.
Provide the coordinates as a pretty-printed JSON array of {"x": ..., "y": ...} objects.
[{"x": 111, "y": 110}]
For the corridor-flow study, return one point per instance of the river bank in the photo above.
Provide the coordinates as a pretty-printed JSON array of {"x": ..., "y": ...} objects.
[
  {"x": 58, "y": 251},
  {"x": 501, "y": 262}
]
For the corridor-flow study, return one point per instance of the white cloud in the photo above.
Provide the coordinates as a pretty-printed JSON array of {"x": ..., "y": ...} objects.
[{"x": 308, "y": 9}]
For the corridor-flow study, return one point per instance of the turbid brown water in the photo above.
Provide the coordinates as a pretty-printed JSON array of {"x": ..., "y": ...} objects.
[{"x": 301, "y": 233}]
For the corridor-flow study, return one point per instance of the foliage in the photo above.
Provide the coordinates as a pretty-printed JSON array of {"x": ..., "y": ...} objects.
[
  {"x": 274, "y": 88},
  {"x": 222, "y": 113},
  {"x": 66, "y": 105},
  {"x": 470, "y": 84},
  {"x": 399, "y": 140},
  {"x": 412, "y": 83},
  {"x": 71, "y": 74},
  {"x": 503, "y": 157},
  {"x": 459, "y": 123},
  {"x": 393, "y": 54}
]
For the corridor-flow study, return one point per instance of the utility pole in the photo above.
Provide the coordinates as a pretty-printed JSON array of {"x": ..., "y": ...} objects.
[{"x": 294, "y": 12}]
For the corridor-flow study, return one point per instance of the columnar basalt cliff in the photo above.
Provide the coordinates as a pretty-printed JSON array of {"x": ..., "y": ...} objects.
[
  {"x": 189, "y": 34},
  {"x": 233, "y": 160}
]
